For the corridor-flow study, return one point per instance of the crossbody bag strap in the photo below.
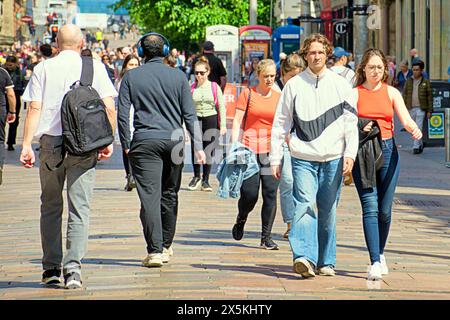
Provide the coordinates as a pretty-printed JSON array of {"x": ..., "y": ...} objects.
[{"x": 244, "y": 122}]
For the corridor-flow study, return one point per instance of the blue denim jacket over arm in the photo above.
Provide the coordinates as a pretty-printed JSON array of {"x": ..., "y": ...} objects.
[{"x": 239, "y": 165}]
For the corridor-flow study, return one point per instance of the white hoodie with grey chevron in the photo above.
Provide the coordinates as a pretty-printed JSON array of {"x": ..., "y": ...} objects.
[{"x": 319, "y": 114}]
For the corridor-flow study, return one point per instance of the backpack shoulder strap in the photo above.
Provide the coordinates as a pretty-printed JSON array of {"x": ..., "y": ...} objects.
[
  {"x": 214, "y": 90},
  {"x": 193, "y": 86},
  {"x": 87, "y": 71},
  {"x": 344, "y": 73}
]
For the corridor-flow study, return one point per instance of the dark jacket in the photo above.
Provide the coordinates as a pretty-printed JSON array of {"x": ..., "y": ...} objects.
[
  {"x": 162, "y": 102},
  {"x": 401, "y": 80},
  {"x": 425, "y": 94},
  {"x": 370, "y": 156}
]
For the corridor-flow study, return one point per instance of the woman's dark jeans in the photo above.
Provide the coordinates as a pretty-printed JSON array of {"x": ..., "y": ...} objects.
[{"x": 377, "y": 202}]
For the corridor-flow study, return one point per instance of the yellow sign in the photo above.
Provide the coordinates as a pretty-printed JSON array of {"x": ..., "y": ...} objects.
[{"x": 436, "y": 126}]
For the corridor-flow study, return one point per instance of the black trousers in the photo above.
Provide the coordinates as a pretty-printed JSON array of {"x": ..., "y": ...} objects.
[
  {"x": 158, "y": 180},
  {"x": 250, "y": 192},
  {"x": 210, "y": 134},
  {"x": 126, "y": 162},
  {"x": 12, "y": 131}
]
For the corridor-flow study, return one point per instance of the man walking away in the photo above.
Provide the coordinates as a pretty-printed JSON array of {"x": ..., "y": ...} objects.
[
  {"x": 418, "y": 97},
  {"x": 341, "y": 57},
  {"x": 218, "y": 73},
  {"x": 162, "y": 101},
  {"x": 50, "y": 82},
  {"x": 7, "y": 97}
]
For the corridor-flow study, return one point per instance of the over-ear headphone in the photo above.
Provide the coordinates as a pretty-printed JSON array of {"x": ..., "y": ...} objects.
[{"x": 140, "y": 49}]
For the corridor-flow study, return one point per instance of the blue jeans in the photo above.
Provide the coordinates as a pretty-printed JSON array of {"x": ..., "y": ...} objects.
[
  {"x": 286, "y": 183},
  {"x": 313, "y": 235},
  {"x": 376, "y": 202}
]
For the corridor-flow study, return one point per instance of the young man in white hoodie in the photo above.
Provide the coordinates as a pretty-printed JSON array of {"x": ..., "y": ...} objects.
[{"x": 318, "y": 111}]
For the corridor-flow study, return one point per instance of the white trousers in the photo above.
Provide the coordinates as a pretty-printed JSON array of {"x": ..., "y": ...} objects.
[{"x": 418, "y": 116}]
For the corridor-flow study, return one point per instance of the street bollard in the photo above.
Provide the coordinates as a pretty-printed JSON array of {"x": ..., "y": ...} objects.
[{"x": 447, "y": 137}]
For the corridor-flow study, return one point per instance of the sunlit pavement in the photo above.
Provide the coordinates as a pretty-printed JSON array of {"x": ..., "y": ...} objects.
[{"x": 209, "y": 264}]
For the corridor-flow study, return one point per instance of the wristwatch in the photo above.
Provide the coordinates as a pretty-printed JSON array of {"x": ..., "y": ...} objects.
[{"x": 11, "y": 112}]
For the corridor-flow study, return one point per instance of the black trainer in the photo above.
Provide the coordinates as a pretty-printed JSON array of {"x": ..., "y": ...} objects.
[
  {"x": 72, "y": 280},
  {"x": 51, "y": 277},
  {"x": 238, "y": 229},
  {"x": 206, "y": 186},
  {"x": 267, "y": 243},
  {"x": 195, "y": 183}
]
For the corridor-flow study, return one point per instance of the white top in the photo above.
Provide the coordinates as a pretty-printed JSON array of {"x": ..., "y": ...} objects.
[
  {"x": 328, "y": 131},
  {"x": 52, "y": 79},
  {"x": 345, "y": 72}
]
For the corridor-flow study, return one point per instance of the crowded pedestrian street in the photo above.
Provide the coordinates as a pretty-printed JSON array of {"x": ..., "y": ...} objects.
[
  {"x": 234, "y": 154},
  {"x": 207, "y": 262}
]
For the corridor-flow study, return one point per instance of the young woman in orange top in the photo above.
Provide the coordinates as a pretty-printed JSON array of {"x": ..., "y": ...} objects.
[
  {"x": 256, "y": 128},
  {"x": 378, "y": 101}
]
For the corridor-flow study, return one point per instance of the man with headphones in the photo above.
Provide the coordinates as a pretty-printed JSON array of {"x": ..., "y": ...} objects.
[{"x": 162, "y": 102}]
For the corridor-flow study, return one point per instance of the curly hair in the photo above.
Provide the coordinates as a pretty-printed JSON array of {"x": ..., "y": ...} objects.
[
  {"x": 316, "y": 37},
  {"x": 371, "y": 52}
]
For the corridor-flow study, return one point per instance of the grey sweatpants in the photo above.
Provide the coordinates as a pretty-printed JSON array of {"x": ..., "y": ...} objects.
[{"x": 80, "y": 173}]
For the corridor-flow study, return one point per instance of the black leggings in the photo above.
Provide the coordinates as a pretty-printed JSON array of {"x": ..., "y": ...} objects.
[
  {"x": 250, "y": 192},
  {"x": 211, "y": 138}
]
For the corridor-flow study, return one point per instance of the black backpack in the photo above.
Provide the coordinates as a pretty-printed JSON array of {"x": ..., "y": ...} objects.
[{"x": 85, "y": 124}]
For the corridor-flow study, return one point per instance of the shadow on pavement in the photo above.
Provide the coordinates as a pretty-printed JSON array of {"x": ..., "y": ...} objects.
[
  {"x": 112, "y": 236},
  {"x": 37, "y": 285},
  {"x": 267, "y": 270},
  {"x": 419, "y": 254},
  {"x": 101, "y": 261},
  {"x": 114, "y": 262},
  {"x": 207, "y": 242},
  {"x": 226, "y": 234}
]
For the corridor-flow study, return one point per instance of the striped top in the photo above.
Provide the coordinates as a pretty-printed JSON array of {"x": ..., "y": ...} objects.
[{"x": 377, "y": 105}]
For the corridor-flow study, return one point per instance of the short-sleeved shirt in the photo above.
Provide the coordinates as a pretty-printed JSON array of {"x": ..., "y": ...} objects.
[
  {"x": 5, "y": 83},
  {"x": 52, "y": 79},
  {"x": 217, "y": 68},
  {"x": 258, "y": 122}
]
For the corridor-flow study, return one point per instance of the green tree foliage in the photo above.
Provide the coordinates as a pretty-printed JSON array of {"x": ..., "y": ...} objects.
[{"x": 184, "y": 21}]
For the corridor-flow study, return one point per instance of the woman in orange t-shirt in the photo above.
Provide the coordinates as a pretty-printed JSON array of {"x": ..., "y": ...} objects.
[
  {"x": 257, "y": 127},
  {"x": 378, "y": 101}
]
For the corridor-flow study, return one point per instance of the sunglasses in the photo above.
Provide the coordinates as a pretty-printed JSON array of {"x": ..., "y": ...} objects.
[{"x": 200, "y": 72}]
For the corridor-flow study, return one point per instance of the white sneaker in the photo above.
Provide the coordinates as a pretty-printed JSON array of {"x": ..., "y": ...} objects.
[
  {"x": 153, "y": 260},
  {"x": 326, "y": 271},
  {"x": 374, "y": 272},
  {"x": 166, "y": 254},
  {"x": 384, "y": 267},
  {"x": 304, "y": 267}
]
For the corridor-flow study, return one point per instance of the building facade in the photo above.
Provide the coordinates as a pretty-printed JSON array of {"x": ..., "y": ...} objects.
[
  {"x": 11, "y": 27},
  {"x": 403, "y": 25}
]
